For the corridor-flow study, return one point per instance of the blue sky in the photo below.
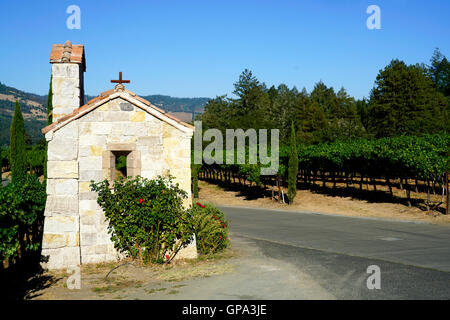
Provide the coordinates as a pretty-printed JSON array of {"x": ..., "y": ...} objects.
[{"x": 198, "y": 48}]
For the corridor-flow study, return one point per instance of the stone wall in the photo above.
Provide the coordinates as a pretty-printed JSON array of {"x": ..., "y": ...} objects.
[
  {"x": 83, "y": 151},
  {"x": 61, "y": 240},
  {"x": 67, "y": 88}
]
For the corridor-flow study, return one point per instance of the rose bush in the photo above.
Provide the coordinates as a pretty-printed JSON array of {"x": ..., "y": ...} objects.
[
  {"x": 211, "y": 228},
  {"x": 146, "y": 217}
]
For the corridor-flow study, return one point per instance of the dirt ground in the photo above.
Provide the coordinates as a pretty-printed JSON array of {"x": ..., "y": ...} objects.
[
  {"x": 128, "y": 279},
  {"x": 310, "y": 201}
]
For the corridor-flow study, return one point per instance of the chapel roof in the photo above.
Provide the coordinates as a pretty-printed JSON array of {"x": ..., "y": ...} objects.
[{"x": 106, "y": 96}]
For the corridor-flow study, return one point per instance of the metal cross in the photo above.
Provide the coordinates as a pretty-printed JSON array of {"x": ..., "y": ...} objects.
[{"x": 120, "y": 79}]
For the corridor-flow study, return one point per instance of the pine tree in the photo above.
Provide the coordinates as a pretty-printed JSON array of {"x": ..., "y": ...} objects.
[
  {"x": 18, "y": 146},
  {"x": 293, "y": 166},
  {"x": 405, "y": 101},
  {"x": 440, "y": 72}
]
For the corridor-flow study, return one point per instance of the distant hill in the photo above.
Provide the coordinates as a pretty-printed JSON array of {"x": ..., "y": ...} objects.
[{"x": 34, "y": 106}]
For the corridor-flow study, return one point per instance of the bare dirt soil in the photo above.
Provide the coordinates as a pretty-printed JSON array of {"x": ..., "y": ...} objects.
[
  {"x": 130, "y": 280},
  {"x": 328, "y": 201}
]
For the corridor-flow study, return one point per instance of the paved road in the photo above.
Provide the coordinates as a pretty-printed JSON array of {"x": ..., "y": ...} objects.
[{"x": 335, "y": 251}]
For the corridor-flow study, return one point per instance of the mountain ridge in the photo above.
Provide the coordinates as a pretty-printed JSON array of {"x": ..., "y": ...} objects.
[{"x": 34, "y": 109}]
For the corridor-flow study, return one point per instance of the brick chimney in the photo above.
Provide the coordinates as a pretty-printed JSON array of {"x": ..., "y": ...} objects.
[{"x": 68, "y": 67}]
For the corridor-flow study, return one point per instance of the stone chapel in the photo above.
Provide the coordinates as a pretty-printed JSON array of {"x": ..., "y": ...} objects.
[{"x": 83, "y": 143}]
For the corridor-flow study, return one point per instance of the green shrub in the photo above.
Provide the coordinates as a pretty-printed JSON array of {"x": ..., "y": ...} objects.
[
  {"x": 211, "y": 228},
  {"x": 146, "y": 217},
  {"x": 22, "y": 205}
]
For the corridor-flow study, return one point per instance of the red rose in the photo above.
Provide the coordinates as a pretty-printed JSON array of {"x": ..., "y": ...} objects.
[
  {"x": 199, "y": 204},
  {"x": 141, "y": 200},
  {"x": 202, "y": 205},
  {"x": 167, "y": 257}
]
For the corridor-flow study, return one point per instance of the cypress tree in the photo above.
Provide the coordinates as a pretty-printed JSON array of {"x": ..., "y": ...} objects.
[
  {"x": 50, "y": 103},
  {"x": 18, "y": 146},
  {"x": 195, "y": 169},
  {"x": 293, "y": 166},
  {"x": 49, "y": 121}
]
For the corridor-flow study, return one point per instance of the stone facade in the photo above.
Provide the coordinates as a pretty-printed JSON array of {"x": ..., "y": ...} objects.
[{"x": 82, "y": 146}]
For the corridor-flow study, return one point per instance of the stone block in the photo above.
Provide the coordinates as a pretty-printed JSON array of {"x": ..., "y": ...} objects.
[
  {"x": 90, "y": 163},
  {"x": 88, "y": 239},
  {"x": 150, "y": 140},
  {"x": 116, "y": 116},
  {"x": 96, "y": 151},
  {"x": 88, "y": 196},
  {"x": 121, "y": 146},
  {"x": 127, "y": 139},
  {"x": 92, "y": 140},
  {"x": 152, "y": 120},
  {"x": 61, "y": 224},
  {"x": 60, "y": 258},
  {"x": 88, "y": 175},
  {"x": 93, "y": 116},
  {"x": 87, "y": 218},
  {"x": 63, "y": 101},
  {"x": 62, "y": 169},
  {"x": 101, "y": 128},
  {"x": 138, "y": 116},
  {"x": 89, "y": 205},
  {"x": 84, "y": 186},
  {"x": 65, "y": 70},
  {"x": 61, "y": 205},
  {"x": 62, "y": 186},
  {"x": 65, "y": 86},
  {"x": 62, "y": 149},
  {"x": 60, "y": 240}
]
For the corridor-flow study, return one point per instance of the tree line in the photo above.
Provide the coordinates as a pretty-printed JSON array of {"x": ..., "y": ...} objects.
[
  {"x": 405, "y": 100},
  {"x": 400, "y": 132}
]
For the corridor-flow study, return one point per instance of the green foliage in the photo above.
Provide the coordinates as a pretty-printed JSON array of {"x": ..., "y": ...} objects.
[
  {"x": 293, "y": 167},
  {"x": 398, "y": 157},
  {"x": 5, "y": 153},
  {"x": 18, "y": 146},
  {"x": 27, "y": 101},
  {"x": 121, "y": 164},
  {"x": 323, "y": 115},
  {"x": 22, "y": 206},
  {"x": 50, "y": 103},
  {"x": 146, "y": 217},
  {"x": 211, "y": 228},
  {"x": 405, "y": 101},
  {"x": 194, "y": 170},
  {"x": 440, "y": 72},
  {"x": 37, "y": 157},
  {"x": 172, "y": 104}
]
